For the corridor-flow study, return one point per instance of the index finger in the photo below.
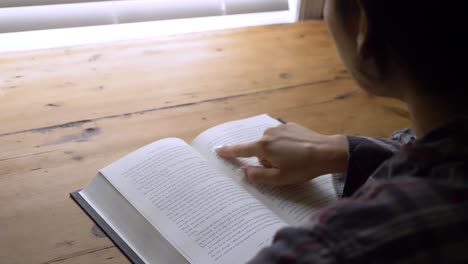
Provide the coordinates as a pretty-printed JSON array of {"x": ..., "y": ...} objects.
[{"x": 250, "y": 149}]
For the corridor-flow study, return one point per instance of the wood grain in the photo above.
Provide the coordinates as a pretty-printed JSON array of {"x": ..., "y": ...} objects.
[
  {"x": 62, "y": 86},
  {"x": 49, "y": 151},
  {"x": 110, "y": 255}
]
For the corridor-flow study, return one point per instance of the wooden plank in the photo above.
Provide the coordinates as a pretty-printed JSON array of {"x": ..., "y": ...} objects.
[
  {"x": 58, "y": 86},
  {"x": 39, "y": 168},
  {"x": 104, "y": 256}
]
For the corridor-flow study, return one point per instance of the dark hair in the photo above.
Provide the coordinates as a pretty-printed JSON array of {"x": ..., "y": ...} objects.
[{"x": 425, "y": 37}]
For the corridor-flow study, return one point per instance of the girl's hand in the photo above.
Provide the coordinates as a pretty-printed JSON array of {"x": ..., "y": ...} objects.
[{"x": 291, "y": 154}]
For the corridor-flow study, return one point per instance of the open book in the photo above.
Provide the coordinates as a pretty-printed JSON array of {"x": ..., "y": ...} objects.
[{"x": 171, "y": 202}]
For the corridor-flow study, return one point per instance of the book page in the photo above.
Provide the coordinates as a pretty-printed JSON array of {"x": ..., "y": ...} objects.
[
  {"x": 129, "y": 224},
  {"x": 294, "y": 203},
  {"x": 202, "y": 212}
]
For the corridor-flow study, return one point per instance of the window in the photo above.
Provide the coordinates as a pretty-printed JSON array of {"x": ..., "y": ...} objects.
[
  {"x": 26, "y": 15},
  {"x": 37, "y": 24}
]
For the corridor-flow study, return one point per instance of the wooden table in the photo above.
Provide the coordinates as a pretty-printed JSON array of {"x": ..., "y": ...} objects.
[{"x": 65, "y": 113}]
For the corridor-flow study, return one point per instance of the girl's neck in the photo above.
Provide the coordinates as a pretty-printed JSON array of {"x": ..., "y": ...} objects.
[{"x": 428, "y": 113}]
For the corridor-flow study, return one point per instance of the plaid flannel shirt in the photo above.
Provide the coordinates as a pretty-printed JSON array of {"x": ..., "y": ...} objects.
[{"x": 404, "y": 201}]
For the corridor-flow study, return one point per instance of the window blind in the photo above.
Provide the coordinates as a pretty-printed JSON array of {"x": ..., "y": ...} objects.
[
  {"x": 27, "y": 15},
  {"x": 19, "y": 3}
]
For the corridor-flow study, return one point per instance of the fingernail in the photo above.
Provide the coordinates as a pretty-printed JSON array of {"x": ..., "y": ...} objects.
[
  {"x": 242, "y": 170},
  {"x": 218, "y": 147}
]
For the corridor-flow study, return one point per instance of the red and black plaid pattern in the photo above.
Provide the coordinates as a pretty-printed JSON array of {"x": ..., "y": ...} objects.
[{"x": 405, "y": 201}]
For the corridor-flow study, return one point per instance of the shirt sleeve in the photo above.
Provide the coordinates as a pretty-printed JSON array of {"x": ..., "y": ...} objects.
[
  {"x": 366, "y": 154},
  {"x": 298, "y": 245},
  {"x": 362, "y": 228}
]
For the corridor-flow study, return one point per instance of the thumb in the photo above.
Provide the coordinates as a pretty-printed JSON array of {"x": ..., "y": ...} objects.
[{"x": 262, "y": 175}]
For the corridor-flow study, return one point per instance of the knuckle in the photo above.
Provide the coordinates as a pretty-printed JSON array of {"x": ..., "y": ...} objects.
[
  {"x": 269, "y": 131},
  {"x": 292, "y": 124},
  {"x": 282, "y": 126},
  {"x": 266, "y": 144},
  {"x": 265, "y": 141}
]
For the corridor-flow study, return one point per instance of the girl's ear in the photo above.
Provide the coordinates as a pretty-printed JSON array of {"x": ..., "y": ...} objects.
[
  {"x": 367, "y": 59},
  {"x": 363, "y": 31}
]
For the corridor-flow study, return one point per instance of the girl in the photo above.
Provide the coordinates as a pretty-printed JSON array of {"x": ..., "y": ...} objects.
[{"x": 405, "y": 199}]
